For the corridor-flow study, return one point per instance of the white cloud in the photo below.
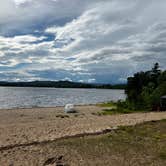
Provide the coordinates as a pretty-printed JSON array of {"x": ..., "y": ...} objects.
[
  {"x": 105, "y": 41},
  {"x": 28, "y": 15},
  {"x": 18, "y": 2}
]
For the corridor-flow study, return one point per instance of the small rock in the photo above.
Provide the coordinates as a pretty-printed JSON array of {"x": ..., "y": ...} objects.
[
  {"x": 55, "y": 161},
  {"x": 69, "y": 108}
]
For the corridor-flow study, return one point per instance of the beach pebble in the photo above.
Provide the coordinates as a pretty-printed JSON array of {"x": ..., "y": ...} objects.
[{"x": 69, "y": 108}]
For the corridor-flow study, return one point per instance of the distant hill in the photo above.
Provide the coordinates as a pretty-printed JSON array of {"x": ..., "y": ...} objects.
[{"x": 62, "y": 84}]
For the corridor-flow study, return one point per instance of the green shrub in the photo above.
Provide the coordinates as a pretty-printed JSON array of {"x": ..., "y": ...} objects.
[{"x": 145, "y": 89}]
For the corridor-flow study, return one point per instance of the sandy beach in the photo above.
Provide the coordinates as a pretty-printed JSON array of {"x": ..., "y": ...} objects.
[{"x": 31, "y": 127}]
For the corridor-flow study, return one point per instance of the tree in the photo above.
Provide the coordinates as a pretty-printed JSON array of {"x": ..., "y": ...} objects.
[
  {"x": 156, "y": 69},
  {"x": 144, "y": 89}
]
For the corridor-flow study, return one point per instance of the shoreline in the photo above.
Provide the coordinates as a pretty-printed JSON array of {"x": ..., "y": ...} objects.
[
  {"x": 22, "y": 126},
  {"x": 51, "y": 107}
]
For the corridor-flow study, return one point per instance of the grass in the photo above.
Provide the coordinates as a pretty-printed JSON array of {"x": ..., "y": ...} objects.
[
  {"x": 116, "y": 111},
  {"x": 162, "y": 154},
  {"x": 111, "y": 108},
  {"x": 136, "y": 145},
  {"x": 108, "y": 104},
  {"x": 119, "y": 111}
]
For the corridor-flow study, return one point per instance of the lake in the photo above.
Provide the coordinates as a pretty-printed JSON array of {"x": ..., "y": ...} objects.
[{"x": 21, "y": 97}]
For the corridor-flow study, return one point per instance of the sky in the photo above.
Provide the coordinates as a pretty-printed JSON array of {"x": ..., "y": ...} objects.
[{"x": 94, "y": 41}]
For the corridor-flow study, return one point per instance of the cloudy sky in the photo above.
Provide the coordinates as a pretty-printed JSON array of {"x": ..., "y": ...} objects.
[{"x": 102, "y": 41}]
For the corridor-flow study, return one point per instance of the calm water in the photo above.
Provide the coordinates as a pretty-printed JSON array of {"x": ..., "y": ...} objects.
[{"x": 11, "y": 97}]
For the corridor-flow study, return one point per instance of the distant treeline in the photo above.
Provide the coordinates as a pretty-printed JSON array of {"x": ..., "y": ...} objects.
[{"x": 62, "y": 84}]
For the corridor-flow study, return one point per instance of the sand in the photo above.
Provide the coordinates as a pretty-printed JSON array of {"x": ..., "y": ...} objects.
[{"x": 29, "y": 127}]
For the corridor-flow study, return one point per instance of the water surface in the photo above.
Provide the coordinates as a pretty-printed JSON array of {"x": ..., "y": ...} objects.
[{"x": 21, "y": 97}]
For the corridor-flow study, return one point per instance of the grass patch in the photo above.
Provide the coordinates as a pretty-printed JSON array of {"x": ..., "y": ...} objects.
[
  {"x": 119, "y": 111},
  {"x": 162, "y": 154},
  {"x": 116, "y": 111},
  {"x": 130, "y": 145},
  {"x": 108, "y": 104},
  {"x": 120, "y": 107}
]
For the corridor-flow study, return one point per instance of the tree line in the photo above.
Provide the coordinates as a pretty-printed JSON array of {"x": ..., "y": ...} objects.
[
  {"x": 145, "y": 89},
  {"x": 62, "y": 84}
]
